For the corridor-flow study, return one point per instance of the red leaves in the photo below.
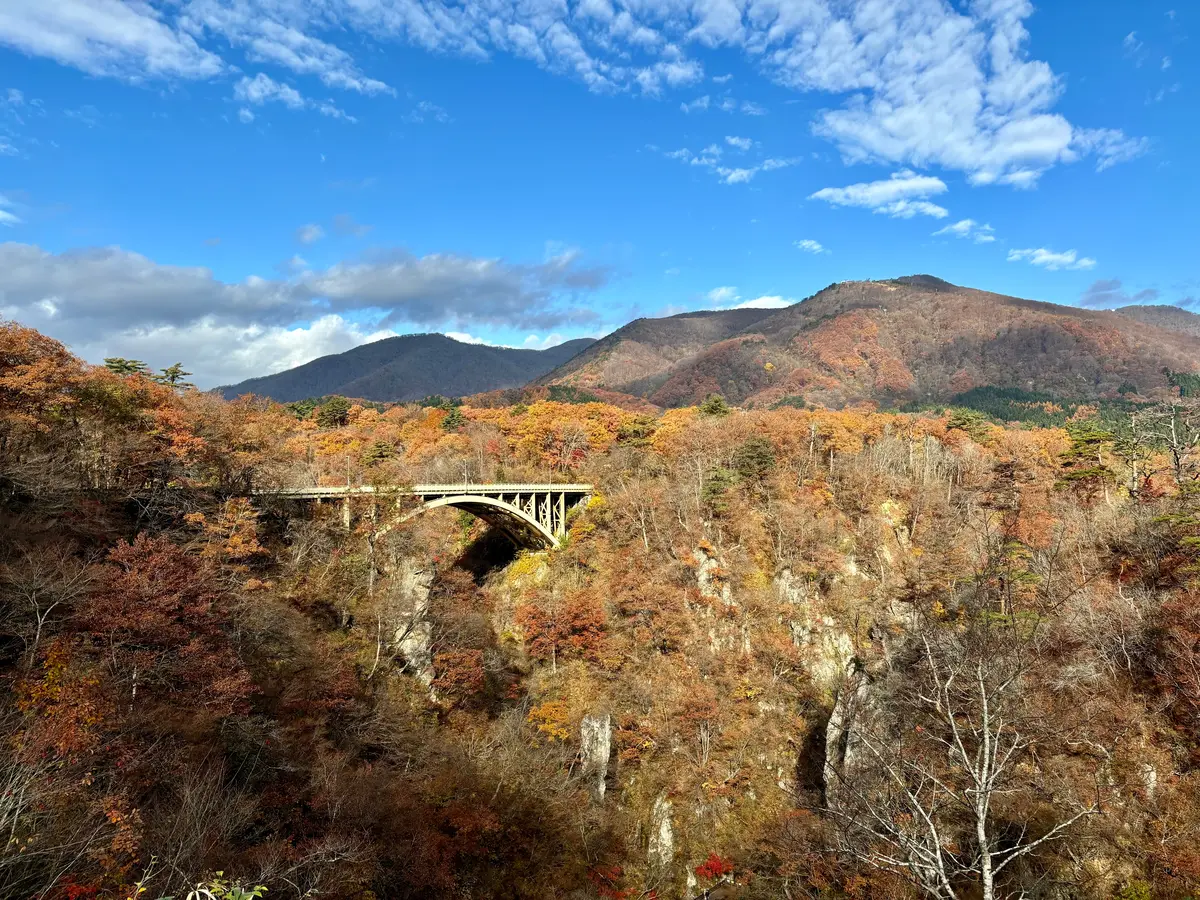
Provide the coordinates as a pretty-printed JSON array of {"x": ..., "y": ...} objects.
[
  {"x": 157, "y": 614},
  {"x": 458, "y": 674},
  {"x": 576, "y": 627},
  {"x": 714, "y": 867}
]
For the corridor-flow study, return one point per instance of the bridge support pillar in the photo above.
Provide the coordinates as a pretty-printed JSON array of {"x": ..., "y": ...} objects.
[{"x": 346, "y": 512}]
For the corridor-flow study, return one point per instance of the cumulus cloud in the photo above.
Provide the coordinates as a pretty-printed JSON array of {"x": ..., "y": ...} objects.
[
  {"x": 245, "y": 116},
  {"x": 106, "y": 298},
  {"x": 920, "y": 83},
  {"x": 727, "y": 297},
  {"x": 1107, "y": 293},
  {"x": 968, "y": 228},
  {"x": 765, "y": 302},
  {"x": 901, "y": 196},
  {"x": 811, "y": 246},
  {"x": 741, "y": 143},
  {"x": 1049, "y": 259}
]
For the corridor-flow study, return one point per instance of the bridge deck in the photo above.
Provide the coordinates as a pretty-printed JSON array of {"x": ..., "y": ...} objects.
[{"x": 318, "y": 492}]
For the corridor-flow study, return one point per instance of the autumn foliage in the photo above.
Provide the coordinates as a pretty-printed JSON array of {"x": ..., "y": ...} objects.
[{"x": 201, "y": 679}]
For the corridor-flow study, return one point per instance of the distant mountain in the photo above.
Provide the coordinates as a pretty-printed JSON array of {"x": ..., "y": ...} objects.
[
  {"x": 1171, "y": 318},
  {"x": 910, "y": 339},
  {"x": 409, "y": 368},
  {"x": 637, "y": 357}
]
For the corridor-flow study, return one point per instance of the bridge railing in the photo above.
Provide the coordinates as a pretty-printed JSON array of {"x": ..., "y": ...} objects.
[{"x": 318, "y": 491}]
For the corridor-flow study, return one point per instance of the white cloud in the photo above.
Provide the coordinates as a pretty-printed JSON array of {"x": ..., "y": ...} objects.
[
  {"x": 226, "y": 354},
  {"x": 109, "y": 301},
  {"x": 309, "y": 234},
  {"x": 901, "y": 196},
  {"x": 1048, "y": 259},
  {"x": 427, "y": 112},
  {"x": 105, "y": 37},
  {"x": 968, "y": 228},
  {"x": 920, "y": 83},
  {"x": 765, "y": 302},
  {"x": 722, "y": 295},
  {"x": 742, "y": 143},
  {"x": 751, "y": 108},
  {"x": 698, "y": 105},
  {"x": 710, "y": 158},
  {"x": 245, "y": 116},
  {"x": 810, "y": 246},
  {"x": 263, "y": 89},
  {"x": 722, "y": 79},
  {"x": 464, "y": 338},
  {"x": 1166, "y": 63},
  {"x": 1110, "y": 146},
  {"x": 533, "y": 342},
  {"x": 7, "y": 218},
  {"x": 727, "y": 297}
]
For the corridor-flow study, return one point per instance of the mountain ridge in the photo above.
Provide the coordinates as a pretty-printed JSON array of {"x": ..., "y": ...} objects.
[
  {"x": 409, "y": 367},
  {"x": 910, "y": 339}
]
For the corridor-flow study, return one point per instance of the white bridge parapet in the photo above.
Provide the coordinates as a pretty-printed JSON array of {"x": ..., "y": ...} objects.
[{"x": 530, "y": 514}]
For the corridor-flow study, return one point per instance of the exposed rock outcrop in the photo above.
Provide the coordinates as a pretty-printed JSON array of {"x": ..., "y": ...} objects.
[
  {"x": 661, "y": 849},
  {"x": 595, "y": 750},
  {"x": 412, "y": 632}
]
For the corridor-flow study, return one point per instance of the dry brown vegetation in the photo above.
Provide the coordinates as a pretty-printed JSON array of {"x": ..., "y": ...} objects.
[{"x": 788, "y": 653}]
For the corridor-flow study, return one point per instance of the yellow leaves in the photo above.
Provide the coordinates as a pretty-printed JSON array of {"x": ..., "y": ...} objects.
[
  {"x": 551, "y": 719},
  {"x": 671, "y": 427},
  {"x": 233, "y": 537}
]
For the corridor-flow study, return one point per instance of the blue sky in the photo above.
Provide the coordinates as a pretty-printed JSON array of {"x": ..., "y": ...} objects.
[{"x": 243, "y": 185}]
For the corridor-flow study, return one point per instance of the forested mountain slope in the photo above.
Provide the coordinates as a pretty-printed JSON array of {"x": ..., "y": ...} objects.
[
  {"x": 1170, "y": 318},
  {"x": 638, "y": 356},
  {"x": 782, "y": 653},
  {"x": 410, "y": 367},
  {"x": 913, "y": 339}
]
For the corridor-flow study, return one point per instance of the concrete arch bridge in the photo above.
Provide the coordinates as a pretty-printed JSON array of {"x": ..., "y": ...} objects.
[{"x": 532, "y": 515}]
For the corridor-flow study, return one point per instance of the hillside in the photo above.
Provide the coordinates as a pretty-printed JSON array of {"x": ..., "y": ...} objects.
[
  {"x": 408, "y": 368},
  {"x": 771, "y": 641},
  {"x": 637, "y": 357},
  {"x": 1170, "y": 318},
  {"x": 913, "y": 339}
]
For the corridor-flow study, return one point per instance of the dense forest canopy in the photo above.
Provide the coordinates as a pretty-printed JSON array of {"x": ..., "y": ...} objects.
[{"x": 788, "y": 652}]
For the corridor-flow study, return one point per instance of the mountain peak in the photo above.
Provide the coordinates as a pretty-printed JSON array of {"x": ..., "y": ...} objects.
[
  {"x": 926, "y": 282},
  {"x": 411, "y": 366}
]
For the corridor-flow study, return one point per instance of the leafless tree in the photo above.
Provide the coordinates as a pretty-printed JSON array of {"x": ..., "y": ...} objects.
[{"x": 940, "y": 772}]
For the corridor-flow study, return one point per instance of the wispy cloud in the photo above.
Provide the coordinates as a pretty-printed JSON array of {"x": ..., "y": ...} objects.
[
  {"x": 711, "y": 158},
  {"x": 427, "y": 112},
  {"x": 1049, "y": 259},
  {"x": 968, "y": 228},
  {"x": 810, "y": 246},
  {"x": 1107, "y": 293},
  {"x": 309, "y": 234}
]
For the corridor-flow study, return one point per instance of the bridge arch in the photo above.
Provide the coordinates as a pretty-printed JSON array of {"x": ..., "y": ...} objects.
[{"x": 521, "y": 527}]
